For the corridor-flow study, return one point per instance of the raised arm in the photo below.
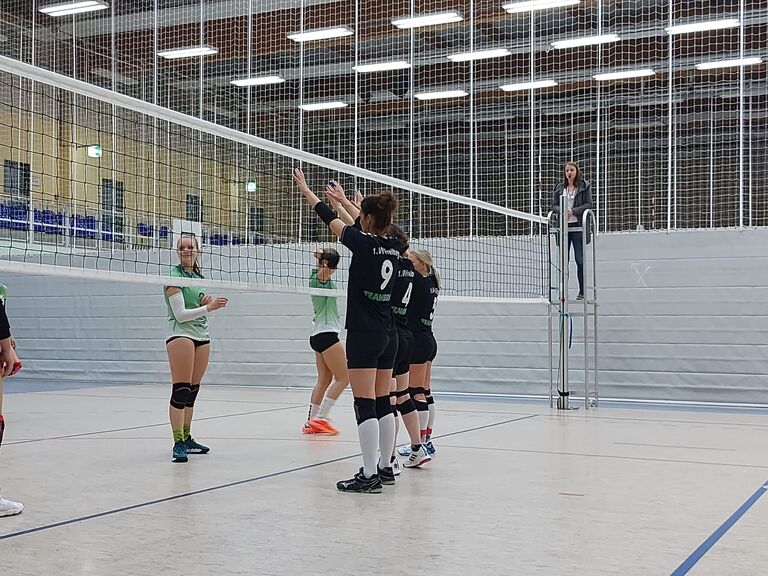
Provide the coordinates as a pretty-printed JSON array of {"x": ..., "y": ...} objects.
[
  {"x": 326, "y": 214},
  {"x": 343, "y": 214},
  {"x": 336, "y": 194}
]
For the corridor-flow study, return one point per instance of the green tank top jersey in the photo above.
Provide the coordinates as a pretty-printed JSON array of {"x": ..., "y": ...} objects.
[
  {"x": 196, "y": 329},
  {"x": 3, "y": 293},
  {"x": 326, "y": 313}
]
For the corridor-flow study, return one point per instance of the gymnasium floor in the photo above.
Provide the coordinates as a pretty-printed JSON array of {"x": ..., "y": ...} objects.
[{"x": 513, "y": 489}]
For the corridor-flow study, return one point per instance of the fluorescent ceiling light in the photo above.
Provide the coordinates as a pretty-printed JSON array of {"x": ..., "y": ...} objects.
[
  {"x": 382, "y": 66},
  {"x": 258, "y": 81},
  {"x": 624, "y": 75},
  {"x": 427, "y": 19},
  {"x": 729, "y": 63},
  {"x": 323, "y": 106},
  {"x": 586, "y": 41},
  {"x": 188, "y": 52},
  {"x": 533, "y": 5},
  {"x": 440, "y": 95},
  {"x": 702, "y": 26},
  {"x": 321, "y": 34},
  {"x": 74, "y": 7},
  {"x": 479, "y": 55},
  {"x": 528, "y": 85}
]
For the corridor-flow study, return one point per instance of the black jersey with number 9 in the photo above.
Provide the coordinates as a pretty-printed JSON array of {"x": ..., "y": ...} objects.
[{"x": 372, "y": 274}]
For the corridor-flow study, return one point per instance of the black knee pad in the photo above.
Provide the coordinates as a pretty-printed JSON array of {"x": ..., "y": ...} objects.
[
  {"x": 430, "y": 400},
  {"x": 406, "y": 407},
  {"x": 194, "y": 389},
  {"x": 2, "y": 428},
  {"x": 383, "y": 406},
  {"x": 401, "y": 393},
  {"x": 365, "y": 409},
  {"x": 180, "y": 394},
  {"x": 415, "y": 391},
  {"x": 421, "y": 406}
]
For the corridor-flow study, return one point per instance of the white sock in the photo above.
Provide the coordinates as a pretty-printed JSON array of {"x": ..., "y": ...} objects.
[
  {"x": 325, "y": 407},
  {"x": 386, "y": 438},
  {"x": 423, "y": 419},
  {"x": 313, "y": 408},
  {"x": 397, "y": 431},
  {"x": 368, "y": 433},
  {"x": 431, "y": 419}
]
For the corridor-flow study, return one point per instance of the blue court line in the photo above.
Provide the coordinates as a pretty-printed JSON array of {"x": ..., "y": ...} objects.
[
  {"x": 227, "y": 485},
  {"x": 699, "y": 553},
  {"x": 81, "y": 434}
]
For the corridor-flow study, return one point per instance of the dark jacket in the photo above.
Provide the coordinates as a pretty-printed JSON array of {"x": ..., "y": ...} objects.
[{"x": 581, "y": 202}]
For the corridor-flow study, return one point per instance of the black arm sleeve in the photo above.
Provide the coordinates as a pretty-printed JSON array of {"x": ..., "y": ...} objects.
[
  {"x": 5, "y": 326},
  {"x": 326, "y": 214}
]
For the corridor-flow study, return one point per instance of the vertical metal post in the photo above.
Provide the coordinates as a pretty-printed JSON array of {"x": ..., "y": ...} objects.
[
  {"x": 711, "y": 165},
  {"x": 472, "y": 175},
  {"x": 640, "y": 163},
  {"x": 411, "y": 114},
  {"x": 670, "y": 110},
  {"x": 563, "y": 390},
  {"x": 741, "y": 116},
  {"x": 531, "y": 111}
]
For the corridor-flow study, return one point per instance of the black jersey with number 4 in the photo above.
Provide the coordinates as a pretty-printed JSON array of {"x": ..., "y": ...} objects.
[
  {"x": 401, "y": 294},
  {"x": 421, "y": 308},
  {"x": 372, "y": 274}
]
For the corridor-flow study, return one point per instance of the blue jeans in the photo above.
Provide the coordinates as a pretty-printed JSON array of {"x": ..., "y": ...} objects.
[{"x": 574, "y": 239}]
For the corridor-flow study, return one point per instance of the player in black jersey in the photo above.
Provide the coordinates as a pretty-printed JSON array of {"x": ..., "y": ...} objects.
[
  {"x": 9, "y": 365},
  {"x": 421, "y": 311},
  {"x": 401, "y": 296},
  {"x": 371, "y": 336}
]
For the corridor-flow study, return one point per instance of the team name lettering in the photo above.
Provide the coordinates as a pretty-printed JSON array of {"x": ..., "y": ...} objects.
[
  {"x": 376, "y": 296},
  {"x": 380, "y": 251},
  {"x": 405, "y": 273}
]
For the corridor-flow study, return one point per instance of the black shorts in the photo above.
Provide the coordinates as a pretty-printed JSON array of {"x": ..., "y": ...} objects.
[
  {"x": 404, "y": 351},
  {"x": 197, "y": 343},
  {"x": 321, "y": 342},
  {"x": 424, "y": 347},
  {"x": 371, "y": 349}
]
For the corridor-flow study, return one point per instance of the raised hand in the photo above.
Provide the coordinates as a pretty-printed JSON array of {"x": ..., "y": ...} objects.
[
  {"x": 301, "y": 181},
  {"x": 216, "y": 303}
]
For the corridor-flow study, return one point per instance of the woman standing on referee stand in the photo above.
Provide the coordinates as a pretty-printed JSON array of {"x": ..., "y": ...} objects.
[
  {"x": 330, "y": 359},
  {"x": 188, "y": 345},
  {"x": 371, "y": 338},
  {"x": 421, "y": 312},
  {"x": 10, "y": 364},
  {"x": 579, "y": 194}
]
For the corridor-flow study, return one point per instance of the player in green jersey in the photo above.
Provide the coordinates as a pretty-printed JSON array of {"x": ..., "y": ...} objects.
[{"x": 188, "y": 345}]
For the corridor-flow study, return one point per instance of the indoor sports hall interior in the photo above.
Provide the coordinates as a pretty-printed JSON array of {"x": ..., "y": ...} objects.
[{"x": 601, "y": 379}]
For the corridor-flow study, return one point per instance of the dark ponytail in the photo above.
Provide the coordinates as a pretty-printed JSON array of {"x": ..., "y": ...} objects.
[
  {"x": 380, "y": 207},
  {"x": 398, "y": 233}
]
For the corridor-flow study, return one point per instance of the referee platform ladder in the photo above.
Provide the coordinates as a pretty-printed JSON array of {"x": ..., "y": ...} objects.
[{"x": 575, "y": 319}]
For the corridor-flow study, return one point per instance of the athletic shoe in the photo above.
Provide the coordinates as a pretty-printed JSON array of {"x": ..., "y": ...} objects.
[
  {"x": 359, "y": 483},
  {"x": 322, "y": 426},
  {"x": 387, "y": 475},
  {"x": 418, "y": 458},
  {"x": 9, "y": 507},
  {"x": 195, "y": 448},
  {"x": 580, "y": 297},
  {"x": 395, "y": 464},
  {"x": 179, "y": 452},
  {"x": 307, "y": 428},
  {"x": 430, "y": 448},
  {"x": 404, "y": 450}
]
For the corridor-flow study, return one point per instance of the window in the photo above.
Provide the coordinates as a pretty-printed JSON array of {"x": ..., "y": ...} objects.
[
  {"x": 16, "y": 180},
  {"x": 194, "y": 212},
  {"x": 256, "y": 220},
  {"x": 112, "y": 207}
]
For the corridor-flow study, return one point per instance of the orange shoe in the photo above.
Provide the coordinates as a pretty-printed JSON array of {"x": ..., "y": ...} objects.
[
  {"x": 307, "y": 428},
  {"x": 322, "y": 426}
]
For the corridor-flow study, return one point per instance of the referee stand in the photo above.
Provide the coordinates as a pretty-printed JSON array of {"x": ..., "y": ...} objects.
[{"x": 567, "y": 314}]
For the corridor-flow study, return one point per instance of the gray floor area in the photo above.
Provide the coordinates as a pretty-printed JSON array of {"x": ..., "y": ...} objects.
[{"x": 513, "y": 489}]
